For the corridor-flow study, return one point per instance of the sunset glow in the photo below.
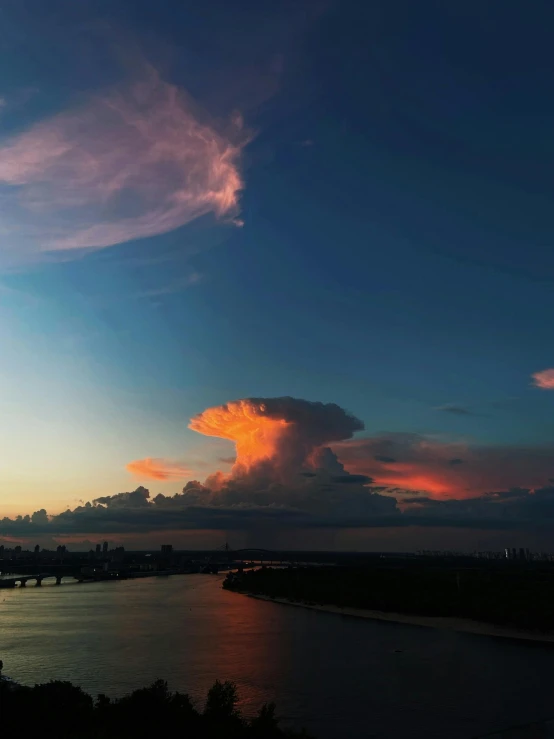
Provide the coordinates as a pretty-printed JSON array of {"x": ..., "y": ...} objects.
[
  {"x": 157, "y": 469},
  {"x": 255, "y": 434}
]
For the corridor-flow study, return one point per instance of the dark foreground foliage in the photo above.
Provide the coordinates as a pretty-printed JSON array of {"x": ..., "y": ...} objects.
[
  {"x": 62, "y": 710},
  {"x": 517, "y": 597}
]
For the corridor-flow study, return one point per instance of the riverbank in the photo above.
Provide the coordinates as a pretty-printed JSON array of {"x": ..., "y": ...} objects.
[{"x": 433, "y": 622}]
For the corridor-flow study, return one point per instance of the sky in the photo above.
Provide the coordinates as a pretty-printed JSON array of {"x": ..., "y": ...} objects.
[{"x": 277, "y": 273}]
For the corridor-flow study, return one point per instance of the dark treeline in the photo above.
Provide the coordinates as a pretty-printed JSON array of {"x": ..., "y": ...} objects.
[
  {"x": 510, "y": 597},
  {"x": 62, "y": 710}
]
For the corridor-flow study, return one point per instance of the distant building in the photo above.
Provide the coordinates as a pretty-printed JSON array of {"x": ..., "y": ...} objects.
[
  {"x": 514, "y": 553},
  {"x": 507, "y": 553},
  {"x": 522, "y": 553},
  {"x": 98, "y": 551},
  {"x": 105, "y": 548},
  {"x": 167, "y": 548},
  {"x": 117, "y": 554},
  {"x": 37, "y": 549}
]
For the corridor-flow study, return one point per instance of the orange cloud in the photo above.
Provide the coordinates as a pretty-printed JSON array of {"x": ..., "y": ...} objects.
[
  {"x": 446, "y": 469},
  {"x": 256, "y": 436},
  {"x": 133, "y": 162},
  {"x": 275, "y": 436},
  {"x": 157, "y": 469},
  {"x": 544, "y": 379}
]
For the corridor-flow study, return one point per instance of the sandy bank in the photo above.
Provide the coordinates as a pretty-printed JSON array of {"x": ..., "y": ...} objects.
[{"x": 433, "y": 622}]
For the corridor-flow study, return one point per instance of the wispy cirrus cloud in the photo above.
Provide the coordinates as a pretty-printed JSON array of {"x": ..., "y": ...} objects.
[
  {"x": 132, "y": 162},
  {"x": 544, "y": 379},
  {"x": 157, "y": 469},
  {"x": 456, "y": 410}
]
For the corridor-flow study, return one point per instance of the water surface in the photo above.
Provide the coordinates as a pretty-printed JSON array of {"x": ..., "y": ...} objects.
[{"x": 343, "y": 678}]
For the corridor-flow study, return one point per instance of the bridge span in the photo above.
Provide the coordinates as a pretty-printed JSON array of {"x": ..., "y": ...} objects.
[{"x": 11, "y": 582}]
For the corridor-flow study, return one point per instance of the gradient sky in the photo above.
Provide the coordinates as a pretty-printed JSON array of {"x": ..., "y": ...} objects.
[{"x": 342, "y": 202}]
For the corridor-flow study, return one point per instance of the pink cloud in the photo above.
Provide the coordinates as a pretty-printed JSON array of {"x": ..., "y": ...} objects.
[
  {"x": 444, "y": 468},
  {"x": 544, "y": 379},
  {"x": 157, "y": 469},
  {"x": 132, "y": 162}
]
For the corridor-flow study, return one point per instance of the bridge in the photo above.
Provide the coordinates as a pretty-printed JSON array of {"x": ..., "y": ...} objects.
[{"x": 11, "y": 582}]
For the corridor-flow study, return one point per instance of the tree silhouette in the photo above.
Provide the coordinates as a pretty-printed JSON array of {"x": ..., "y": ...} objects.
[
  {"x": 60, "y": 710},
  {"x": 222, "y": 701}
]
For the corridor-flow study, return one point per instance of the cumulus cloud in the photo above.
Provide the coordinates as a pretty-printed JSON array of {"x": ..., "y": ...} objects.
[
  {"x": 131, "y": 162},
  {"x": 446, "y": 468},
  {"x": 283, "y": 458},
  {"x": 544, "y": 379},
  {"x": 136, "y": 499},
  {"x": 157, "y": 469},
  {"x": 276, "y": 438}
]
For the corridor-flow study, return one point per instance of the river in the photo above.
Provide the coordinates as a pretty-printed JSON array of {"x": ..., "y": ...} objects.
[{"x": 342, "y": 678}]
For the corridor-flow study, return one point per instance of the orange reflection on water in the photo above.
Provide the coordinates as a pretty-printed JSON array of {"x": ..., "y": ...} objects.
[{"x": 189, "y": 631}]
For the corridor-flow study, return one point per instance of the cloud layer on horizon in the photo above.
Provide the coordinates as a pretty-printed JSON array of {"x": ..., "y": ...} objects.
[
  {"x": 312, "y": 505},
  {"x": 132, "y": 162}
]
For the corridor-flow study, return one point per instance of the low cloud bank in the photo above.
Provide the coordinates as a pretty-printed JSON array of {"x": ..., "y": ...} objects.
[{"x": 316, "y": 502}]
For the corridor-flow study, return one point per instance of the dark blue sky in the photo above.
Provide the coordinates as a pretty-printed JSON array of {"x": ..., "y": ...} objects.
[{"x": 396, "y": 254}]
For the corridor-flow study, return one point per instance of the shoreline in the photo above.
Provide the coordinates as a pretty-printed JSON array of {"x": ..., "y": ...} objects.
[{"x": 446, "y": 623}]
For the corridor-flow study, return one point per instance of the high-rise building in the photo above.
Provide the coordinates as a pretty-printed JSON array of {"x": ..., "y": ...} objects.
[
  {"x": 37, "y": 549},
  {"x": 105, "y": 548},
  {"x": 167, "y": 548},
  {"x": 98, "y": 550},
  {"x": 117, "y": 554}
]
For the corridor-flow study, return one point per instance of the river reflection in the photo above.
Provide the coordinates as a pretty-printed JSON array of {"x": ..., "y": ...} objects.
[{"x": 343, "y": 678}]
